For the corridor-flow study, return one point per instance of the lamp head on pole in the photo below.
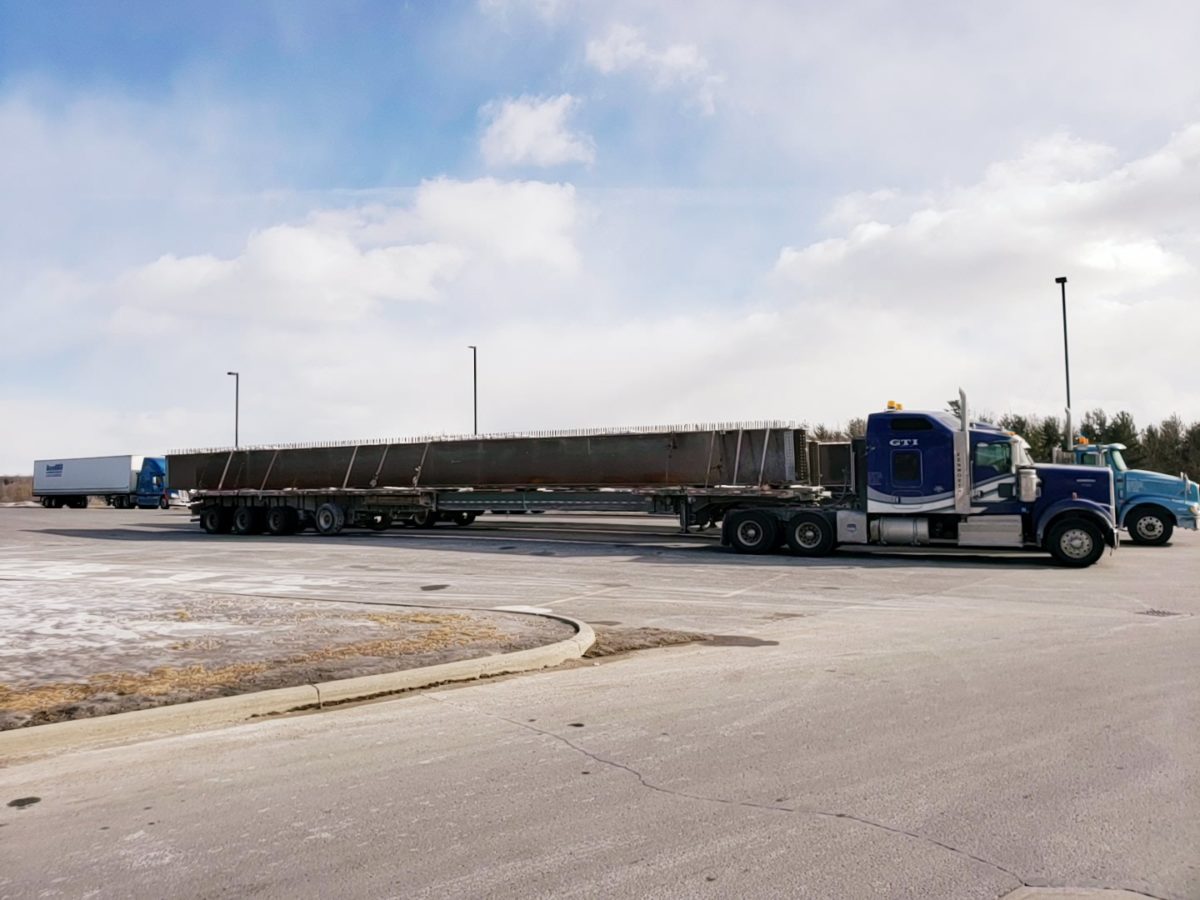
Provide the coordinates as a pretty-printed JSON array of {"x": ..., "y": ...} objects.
[{"x": 1061, "y": 279}]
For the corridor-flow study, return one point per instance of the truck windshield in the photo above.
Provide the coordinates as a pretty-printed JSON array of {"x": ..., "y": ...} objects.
[{"x": 1118, "y": 461}]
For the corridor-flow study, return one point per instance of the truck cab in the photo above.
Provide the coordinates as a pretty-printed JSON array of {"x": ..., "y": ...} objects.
[
  {"x": 1150, "y": 505},
  {"x": 935, "y": 478}
]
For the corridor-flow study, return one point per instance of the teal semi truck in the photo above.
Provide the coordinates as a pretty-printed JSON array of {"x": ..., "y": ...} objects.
[{"x": 1150, "y": 505}]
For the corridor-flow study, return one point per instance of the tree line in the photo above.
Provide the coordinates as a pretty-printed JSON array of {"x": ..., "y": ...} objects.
[{"x": 1169, "y": 446}]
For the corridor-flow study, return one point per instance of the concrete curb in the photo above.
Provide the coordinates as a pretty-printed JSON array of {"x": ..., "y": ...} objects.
[{"x": 144, "y": 724}]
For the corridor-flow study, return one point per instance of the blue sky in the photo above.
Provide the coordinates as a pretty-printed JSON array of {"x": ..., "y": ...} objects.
[{"x": 640, "y": 212}]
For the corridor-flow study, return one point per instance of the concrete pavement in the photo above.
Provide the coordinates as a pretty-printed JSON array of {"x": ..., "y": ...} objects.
[{"x": 891, "y": 727}]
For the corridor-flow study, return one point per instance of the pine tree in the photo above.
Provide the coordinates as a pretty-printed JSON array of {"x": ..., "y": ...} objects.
[
  {"x": 1122, "y": 430},
  {"x": 1095, "y": 426},
  {"x": 1046, "y": 439}
]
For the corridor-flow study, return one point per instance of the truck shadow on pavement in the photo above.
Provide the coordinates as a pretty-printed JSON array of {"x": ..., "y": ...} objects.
[{"x": 659, "y": 549}]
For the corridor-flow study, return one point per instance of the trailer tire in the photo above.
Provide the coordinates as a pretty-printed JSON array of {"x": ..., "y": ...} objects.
[
  {"x": 463, "y": 519},
  {"x": 379, "y": 521},
  {"x": 216, "y": 519},
  {"x": 282, "y": 520},
  {"x": 79, "y": 502},
  {"x": 1150, "y": 525},
  {"x": 810, "y": 534},
  {"x": 426, "y": 518},
  {"x": 329, "y": 519},
  {"x": 1075, "y": 542},
  {"x": 248, "y": 520},
  {"x": 752, "y": 531}
]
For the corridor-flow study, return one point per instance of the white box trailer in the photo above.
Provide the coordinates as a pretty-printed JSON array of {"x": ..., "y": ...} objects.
[{"x": 122, "y": 481}]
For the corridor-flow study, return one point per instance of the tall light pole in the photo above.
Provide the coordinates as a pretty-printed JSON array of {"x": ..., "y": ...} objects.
[
  {"x": 1061, "y": 281},
  {"x": 237, "y": 391},
  {"x": 475, "y": 382}
]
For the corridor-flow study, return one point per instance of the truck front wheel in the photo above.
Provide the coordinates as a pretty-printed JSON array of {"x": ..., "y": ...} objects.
[
  {"x": 752, "y": 531},
  {"x": 1075, "y": 542},
  {"x": 1150, "y": 525},
  {"x": 810, "y": 534}
]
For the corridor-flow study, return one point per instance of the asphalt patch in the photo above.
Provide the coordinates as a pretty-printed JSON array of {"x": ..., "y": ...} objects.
[{"x": 614, "y": 640}]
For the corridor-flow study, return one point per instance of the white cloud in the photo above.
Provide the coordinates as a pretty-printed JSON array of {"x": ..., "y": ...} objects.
[
  {"x": 517, "y": 221},
  {"x": 680, "y": 65},
  {"x": 970, "y": 269},
  {"x": 533, "y": 131}
]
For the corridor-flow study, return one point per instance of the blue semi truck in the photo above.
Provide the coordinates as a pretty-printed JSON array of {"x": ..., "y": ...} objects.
[
  {"x": 930, "y": 478},
  {"x": 917, "y": 478},
  {"x": 1150, "y": 505}
]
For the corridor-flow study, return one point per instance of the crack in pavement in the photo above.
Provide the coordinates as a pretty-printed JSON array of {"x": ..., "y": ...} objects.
[{"x": 749, "y": 804}]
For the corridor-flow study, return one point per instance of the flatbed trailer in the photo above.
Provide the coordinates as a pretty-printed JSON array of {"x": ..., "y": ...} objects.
[
  {"x": 665, "y": 471},
  {"x": 915, "y": 479}
]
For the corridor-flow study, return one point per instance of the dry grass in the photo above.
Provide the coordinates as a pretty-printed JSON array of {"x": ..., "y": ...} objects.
[
  {"x": 15, "y": 488},
  {"x": 450, "y": 630},
  {"x": 164, "y": 680}
]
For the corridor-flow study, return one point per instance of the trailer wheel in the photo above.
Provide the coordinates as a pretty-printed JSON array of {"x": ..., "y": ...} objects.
[
  {"x": 752, "y": 531},
  {"x": 248, "y": 520},
  {"x": 79, "y": 503},
  {"x": 463, "y": 519},
  {"x": 810, "y": 534},
  {"x": 282, "y": 520},
  {"x": 216, "y": 519},
  {"x": 1075, "y": 542},
  {"x": 426, "y": 518},
  {"x": 329, "y": 518},
  {"x": 1150, "y": 525}
]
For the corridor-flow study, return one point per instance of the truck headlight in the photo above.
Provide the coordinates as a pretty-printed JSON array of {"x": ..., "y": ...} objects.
[{"x": 1194, "y": 509}]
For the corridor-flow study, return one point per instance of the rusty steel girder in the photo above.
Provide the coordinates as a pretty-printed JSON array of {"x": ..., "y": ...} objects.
[{"x": 763, "y": 456}]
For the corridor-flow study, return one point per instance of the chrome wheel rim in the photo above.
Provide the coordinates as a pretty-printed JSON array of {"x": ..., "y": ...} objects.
[
  {"x": 1077, "y": 543},
  {"x": 808, "y": 535},
  {"x": 750, "y": 533},
  {"x": 1149, "y": 527}
]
